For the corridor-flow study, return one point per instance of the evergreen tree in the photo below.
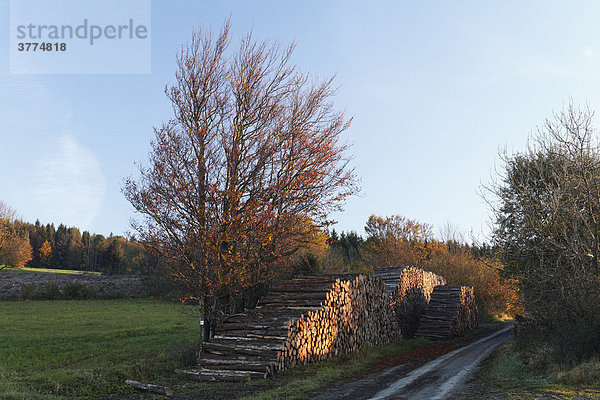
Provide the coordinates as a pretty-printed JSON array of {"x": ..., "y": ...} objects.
[
  {"x": 75, "y": 249},
  {"x": 61, "y": 247},
  {"x": 86, "y": 251},
  {"x": 114, "y": 254}
]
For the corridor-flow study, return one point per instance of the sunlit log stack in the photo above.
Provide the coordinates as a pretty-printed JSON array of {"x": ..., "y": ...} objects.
[
  {"x": 309, "y": 318},
  {"x": 410, "y": 289},
  {"x": 412, "y": 277},
  {"x": 451, "y": 312},
  {"x": 356, "y": 312}
]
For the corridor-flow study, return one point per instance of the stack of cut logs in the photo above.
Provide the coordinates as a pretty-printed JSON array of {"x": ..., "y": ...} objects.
[
  {"x": 356, "y": 312},
  {"x": 412, "y": 277},
  {"x": 312, "y": 318},
  {"x": 390, "y": 277},
  {"x": 451, "y": 312},
  {"x": 411, "y": 296},
  {"x": 247, "y": 345},
  {"x": 302, "y": 320}
]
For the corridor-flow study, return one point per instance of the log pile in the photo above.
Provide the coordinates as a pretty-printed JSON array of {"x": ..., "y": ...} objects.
[
  {"x": 451, "y": 312},
  {"x": 312, "y": 318},
  {"x": 247, "y": 345},
  {"x": 411, "y": 295},
  {"x": 412, "y": 277},
  {"x": 306, "y": 319},
  {"x": 356, "y": 312},
  {"x": 390, "y": 277}
]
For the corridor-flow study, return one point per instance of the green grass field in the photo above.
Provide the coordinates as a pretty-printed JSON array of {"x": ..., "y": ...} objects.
[
  {"x": 47, "y": 270},
  {"x": 87, "y": 349}
]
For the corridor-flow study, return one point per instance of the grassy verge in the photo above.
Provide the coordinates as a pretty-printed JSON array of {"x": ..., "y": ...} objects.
[
  {"x": 304, "y": 381},
  {"x": 87, "y": 349},
  {"x": 506, "y": 377}
]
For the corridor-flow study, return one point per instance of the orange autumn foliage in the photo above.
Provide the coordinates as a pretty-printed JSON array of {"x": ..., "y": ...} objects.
[
  {"x": 250, "y": 161},
  {"x": 45, "y": 253},
  {"x": 399, "y": 241}
]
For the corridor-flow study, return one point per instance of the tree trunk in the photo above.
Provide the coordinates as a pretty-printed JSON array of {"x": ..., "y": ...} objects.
[{"x": 203, "y": 316}]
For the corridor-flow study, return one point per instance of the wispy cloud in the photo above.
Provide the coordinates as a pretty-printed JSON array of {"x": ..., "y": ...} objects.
[
  {"x": 68, "y": 184},
  {"x": 591, "y": 55}
]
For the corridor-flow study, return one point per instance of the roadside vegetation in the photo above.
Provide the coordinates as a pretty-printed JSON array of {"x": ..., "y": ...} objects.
[
  {"x": 399, "y": 241},
  {"x": 506, "y": 376},
  {"x": 547, "y": 237}
]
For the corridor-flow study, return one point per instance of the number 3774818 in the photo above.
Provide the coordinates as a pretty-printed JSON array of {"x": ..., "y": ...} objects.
[{"x": 43, "y": 46}]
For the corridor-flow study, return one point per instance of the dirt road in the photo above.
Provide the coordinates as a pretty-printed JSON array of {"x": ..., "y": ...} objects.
[{"x": 434, "y": 380}]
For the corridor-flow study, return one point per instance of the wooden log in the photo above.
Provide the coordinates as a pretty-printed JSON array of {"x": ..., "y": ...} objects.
[
  {"x": 223, "y": 349},
  {"x": 233, "y": 364},
  {"x": 277, "y": 325},
  {"x": 260, "y": 345},
  {"x": 221, "y": 375},
  {"x": 162, "y": 390}
]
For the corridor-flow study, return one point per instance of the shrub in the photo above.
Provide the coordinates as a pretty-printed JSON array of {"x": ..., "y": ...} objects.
[
  {"x": 75, "y": 290},
  {"x": 459, "y": 266},
  {"x": 586, "y": 373},
  {"x": 568, "y": 334},
  {"x": 28, "y": 291},
  {"x": 51, "y": 291},
  {"x": 185, "y": 355}
]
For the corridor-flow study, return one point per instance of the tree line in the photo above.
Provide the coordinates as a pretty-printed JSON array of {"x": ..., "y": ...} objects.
[{"x": 45, "y": 246}]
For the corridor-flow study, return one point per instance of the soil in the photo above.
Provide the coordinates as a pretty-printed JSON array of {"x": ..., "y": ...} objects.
[{"x": 13, "y": 285}]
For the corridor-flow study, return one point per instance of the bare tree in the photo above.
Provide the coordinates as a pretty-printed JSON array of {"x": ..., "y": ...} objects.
[
  {"x": 548, "y": 226},
  {"x": 249, "y": 165}
]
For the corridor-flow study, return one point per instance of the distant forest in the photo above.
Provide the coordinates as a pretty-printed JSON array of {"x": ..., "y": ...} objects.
[{"x": 69, "y": 248}]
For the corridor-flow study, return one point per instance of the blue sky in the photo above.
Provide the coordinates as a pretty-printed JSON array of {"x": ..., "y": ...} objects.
[{"x": 436, "y": 88}]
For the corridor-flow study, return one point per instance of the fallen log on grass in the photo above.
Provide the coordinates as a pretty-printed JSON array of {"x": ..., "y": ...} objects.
[{"x": 147, "y": 387}]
